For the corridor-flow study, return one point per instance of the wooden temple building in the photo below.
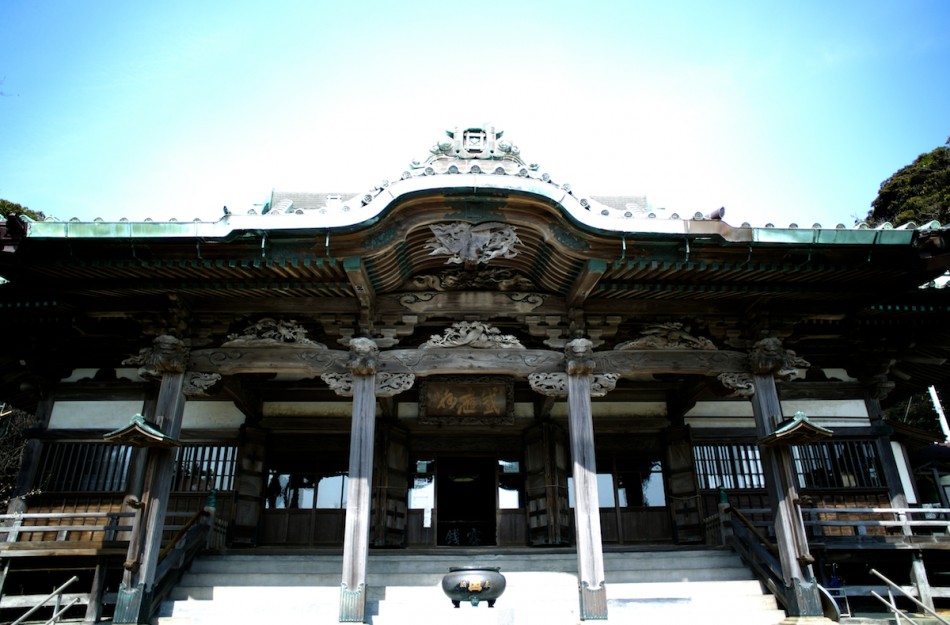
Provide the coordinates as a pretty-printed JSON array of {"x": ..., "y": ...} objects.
[{"x": 477, "y": 356}]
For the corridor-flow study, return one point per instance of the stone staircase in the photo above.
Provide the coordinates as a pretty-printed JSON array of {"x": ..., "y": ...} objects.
[{"x": 669, "y": 586}]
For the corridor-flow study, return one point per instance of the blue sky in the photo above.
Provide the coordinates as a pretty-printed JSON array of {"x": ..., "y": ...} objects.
[{"x": 781, "y": 112}]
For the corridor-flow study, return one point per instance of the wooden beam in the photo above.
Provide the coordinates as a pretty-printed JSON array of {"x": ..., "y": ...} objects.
[
  {"x": 312, "y": 361},
  {"x": 585, "y": 282},
  {"x": 363, "y": 287}
]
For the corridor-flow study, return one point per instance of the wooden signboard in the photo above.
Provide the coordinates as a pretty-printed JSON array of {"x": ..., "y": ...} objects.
[{"x": 467, "y": 400}]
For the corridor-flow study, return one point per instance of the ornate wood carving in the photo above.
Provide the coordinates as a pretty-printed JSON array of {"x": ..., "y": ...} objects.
[
  {"x": 197, "y": 384},
  {"x": 431, "y": 302},
  {"x": 740, "y": 384},
  {"x": 473, "y": 244},
  {"x": 579, "y": 354},
  {"x": 769, "y": 358},
  {"x": 486, "y": 279},
  {"x": 666, "y": 336},
  {"x": 473, "y": 334},
  {"x": 555, "y": 384},
  {"x": 387, "y": 384},
  {"x": 270, "y": 331},
  {"x": 167, "y": 355},
  {"x": 364, "y": 356}
]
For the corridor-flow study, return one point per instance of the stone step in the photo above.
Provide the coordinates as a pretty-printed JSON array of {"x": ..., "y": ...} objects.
[
  {"x": 642, "y": 587},
  {"x": 413, "y": 562}
]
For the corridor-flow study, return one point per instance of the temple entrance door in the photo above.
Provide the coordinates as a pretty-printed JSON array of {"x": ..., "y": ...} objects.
[{"x": 465, "y": 501}]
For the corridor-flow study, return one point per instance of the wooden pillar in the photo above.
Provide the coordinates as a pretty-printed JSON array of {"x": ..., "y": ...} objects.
[
  {"x": 895, "y": 488},
  {"x": 362, "y": 365},
  {"x": 134, "y": 600},
  {"x": 804, "y": 599},
  {"x": 590, "y": 553},
  {"x": 882, "y": 440}
]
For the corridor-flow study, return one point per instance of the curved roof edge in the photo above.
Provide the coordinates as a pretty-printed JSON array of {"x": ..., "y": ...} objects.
[{"x": 356, "y": 211}]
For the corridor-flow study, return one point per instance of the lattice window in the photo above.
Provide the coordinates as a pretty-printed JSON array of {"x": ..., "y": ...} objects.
[
  {"x": 834, "y": 464},
  {"x": 203, "y": 467},
  {"x": 83, "y": 467},
  {"x": 728, "y": 466},
  {"x": 838, "y": 464}
]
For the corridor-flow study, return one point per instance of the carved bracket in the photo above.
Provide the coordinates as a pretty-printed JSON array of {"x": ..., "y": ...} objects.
[
  {"x": 387, "y": 384},
  {"x": 740, "y": 384},
  {"x": 555, "y": 384},
  {"x": 197, "y": 384}
]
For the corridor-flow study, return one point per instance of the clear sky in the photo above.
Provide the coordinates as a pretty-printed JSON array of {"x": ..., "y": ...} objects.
[{"x": 779, "y": 111}]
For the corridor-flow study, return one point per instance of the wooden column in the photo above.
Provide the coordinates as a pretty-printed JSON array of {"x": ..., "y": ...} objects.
[
  {"x": 362, "y": 365},
  {"x": 895, "y": 487},
  {"x": 590, "y": 552},
  {"x": 804, "y": 599},
  {"x": 134, "y": 600}
]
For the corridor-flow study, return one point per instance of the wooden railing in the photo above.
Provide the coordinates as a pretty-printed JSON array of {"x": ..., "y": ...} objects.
[
  {"x": 102, "y": 538},
  {"x": 755, "y": 548},
  {"x": 853, "y": 524},
  {"x": 905, "y": 524},
  {"x": 62, "y": 533}
]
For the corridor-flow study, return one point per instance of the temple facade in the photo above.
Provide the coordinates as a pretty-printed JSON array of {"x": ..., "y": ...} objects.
[{"x": 474, "y": 355}]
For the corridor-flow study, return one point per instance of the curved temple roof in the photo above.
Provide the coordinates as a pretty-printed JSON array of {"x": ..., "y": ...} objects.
[{"x": 475, "y": 161}]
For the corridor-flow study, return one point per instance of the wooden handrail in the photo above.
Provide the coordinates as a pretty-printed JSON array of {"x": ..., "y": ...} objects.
[
  {"x": 180, "y": 534},
  {"x": 773, "y": 549}
]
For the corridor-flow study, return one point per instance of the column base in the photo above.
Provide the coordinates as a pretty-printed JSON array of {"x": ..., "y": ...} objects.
[
  {"x": 593, "y": 602},
  {"x": 132, "y": 605},
  {"x": 352, "y": 604}
]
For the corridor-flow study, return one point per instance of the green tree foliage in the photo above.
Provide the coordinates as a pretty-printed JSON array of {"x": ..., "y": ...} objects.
[
  {"x": 13, "y": 426},
  {"x": 917, "y": 193},
  {"x": 9, "y": 209}
]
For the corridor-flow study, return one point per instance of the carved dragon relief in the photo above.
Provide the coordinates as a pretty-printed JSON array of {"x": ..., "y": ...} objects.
[{"x": 473, "y": 244}]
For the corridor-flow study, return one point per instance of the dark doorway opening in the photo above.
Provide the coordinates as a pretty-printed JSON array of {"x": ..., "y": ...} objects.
[{"x": 465, "y": 500}]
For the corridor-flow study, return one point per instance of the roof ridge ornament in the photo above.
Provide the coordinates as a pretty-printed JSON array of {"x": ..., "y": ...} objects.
[{"x": 474, "y": 143}]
